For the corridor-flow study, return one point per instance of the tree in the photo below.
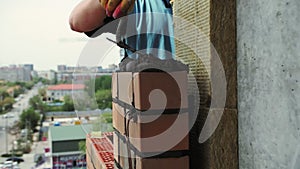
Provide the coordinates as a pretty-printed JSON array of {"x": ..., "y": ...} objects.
[
  {"x": 8, "y": 102},
  {"x": 100, "y": 83},
  {"x": 104, "y": 99},
  {"x": 29, "y": 118},
  {"x": 100, "y": 88},
  {"x": 83, "y": 102},
  {"x": 45, "y": 81},
  {"x": 103, "y": 83},
  {"x": 42, "y": 92},
  {"x": 3, "y": 94},
  {"x": 18, "y": 91},
  {"x": 68, "y": 103},
  {"x": 37, "y": 104},
  {"x": 29, "y": 85},
  {"x": 82, "y": 147}
]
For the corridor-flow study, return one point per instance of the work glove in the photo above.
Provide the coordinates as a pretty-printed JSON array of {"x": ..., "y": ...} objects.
[{"x": 117, "y": 8}]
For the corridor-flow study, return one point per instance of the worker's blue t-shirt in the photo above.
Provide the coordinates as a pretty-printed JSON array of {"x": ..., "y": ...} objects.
[
  {"x": 151, "y": 24},
  {"x": 148, "y": 29}
]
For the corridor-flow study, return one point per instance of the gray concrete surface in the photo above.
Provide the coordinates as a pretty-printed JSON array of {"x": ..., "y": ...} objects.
[{"x": 268, "y": 41}]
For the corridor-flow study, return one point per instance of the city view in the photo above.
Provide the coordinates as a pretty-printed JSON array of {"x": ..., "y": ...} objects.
[
  {"x": 32, "y": 101},
  {"x": 44, "y": 84},
  {"x": 149, "y": 84},
  {"x": 39, "y": 66}
]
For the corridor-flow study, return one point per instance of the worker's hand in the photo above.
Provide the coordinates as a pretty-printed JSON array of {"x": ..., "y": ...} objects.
[{"x": 117, "y": 8}]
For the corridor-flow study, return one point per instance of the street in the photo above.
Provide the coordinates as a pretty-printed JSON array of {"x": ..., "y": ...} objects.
[{"x": 8, "y": 121}]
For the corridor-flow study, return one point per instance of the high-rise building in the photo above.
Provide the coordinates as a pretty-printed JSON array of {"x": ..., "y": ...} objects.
[
  {"x": 61, "y": 68},
  {"x": 29, "y": 66},
  {"x": 15, "y": 74},
  {"x": 49, "y": 74}
]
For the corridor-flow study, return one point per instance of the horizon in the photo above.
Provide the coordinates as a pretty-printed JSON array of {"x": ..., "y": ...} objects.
[{"x": 28, "y": 35}]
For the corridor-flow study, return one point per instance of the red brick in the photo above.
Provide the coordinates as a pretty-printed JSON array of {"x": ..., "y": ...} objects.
[
  {"x": 165, "y": 163},
  {"x": 161, "y": 124},
  {"x": 146, "y": 163},
  {"x": 125, "y": 87},
  {"x": 114, "y": 85},
  {"x": 99, "y": 153},
  {"x": 173, "y": 86}
]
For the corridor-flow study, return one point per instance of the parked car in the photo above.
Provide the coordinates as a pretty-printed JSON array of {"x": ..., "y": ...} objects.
[
  {"x": 8, "y": 115},
  {"x": 24, "y": 132},
  {"x": 15, "y": 159},
  {"x": 10, "y": 165}
]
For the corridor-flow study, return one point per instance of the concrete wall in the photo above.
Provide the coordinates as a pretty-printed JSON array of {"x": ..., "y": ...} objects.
[{"x": 268, "y": 39}]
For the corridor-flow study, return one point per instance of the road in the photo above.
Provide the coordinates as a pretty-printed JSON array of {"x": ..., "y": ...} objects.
[{"x": 18, "y": 107}]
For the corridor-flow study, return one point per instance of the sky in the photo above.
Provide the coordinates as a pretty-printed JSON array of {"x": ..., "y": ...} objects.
[{"x": 37, "y": 32}]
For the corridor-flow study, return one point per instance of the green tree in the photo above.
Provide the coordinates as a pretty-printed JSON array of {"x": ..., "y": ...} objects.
[
  {"x": 37, "y": 104},
  {"x": 36, "y": 79},
  {"x": 29, "y": 118},
  {"x": 104, "y": 99},
  {"x": 83, "y": 102},
  {"x": 100, "y": 83},
  {"x": 3, "y": 94},
  {"x": 11, "y": 84},
  {"x": 68, "y": 103},
  {"x": 82, "y": 147},
  {"x": 18, "y": 91},
  {"x": 43, "y": 93},
  {"x": 45, "y": 81},
  {"x": 103, "y": 83},
  {"x": 100, "y": 88},
  {"x": 29, "y": 85},
  {"x": 6, "y": 103}
]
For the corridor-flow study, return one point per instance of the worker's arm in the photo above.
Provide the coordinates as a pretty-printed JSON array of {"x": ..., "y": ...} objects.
[
  {"x": 90, "y": 14},
  {"x": 87, "y": 16}
]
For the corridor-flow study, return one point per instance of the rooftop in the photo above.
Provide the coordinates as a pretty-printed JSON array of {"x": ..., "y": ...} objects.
[
  {"x": 67, "y": 87},
  {"x": 73, "y": 132}
]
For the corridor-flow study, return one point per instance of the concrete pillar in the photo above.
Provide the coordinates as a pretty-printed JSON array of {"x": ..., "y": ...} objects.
[{"x": 268, "y": 58}]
